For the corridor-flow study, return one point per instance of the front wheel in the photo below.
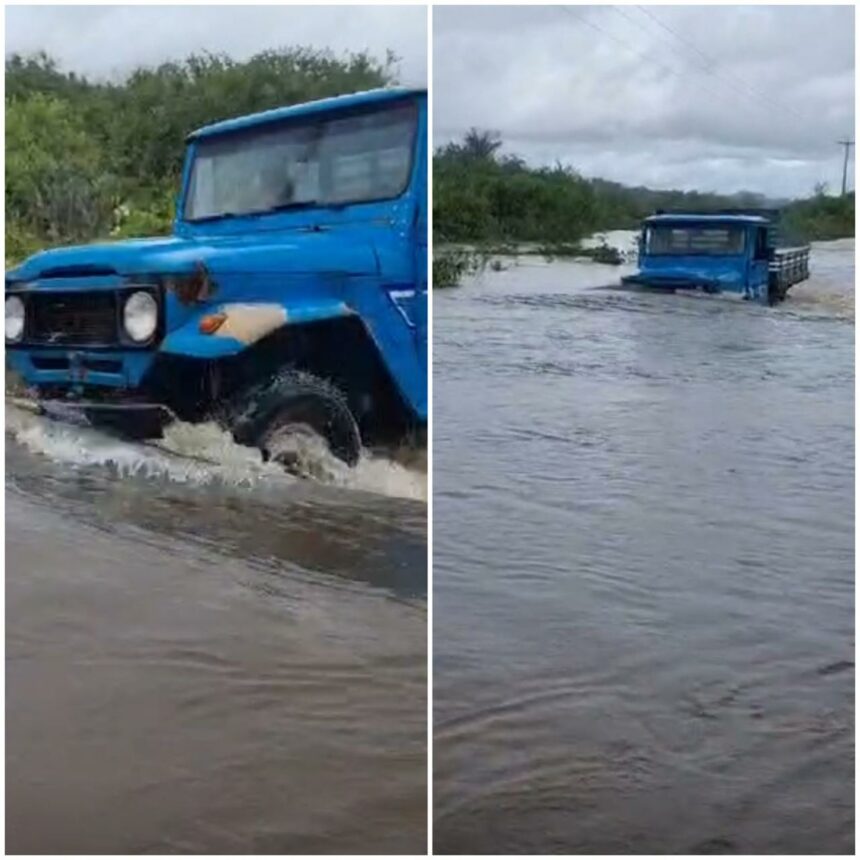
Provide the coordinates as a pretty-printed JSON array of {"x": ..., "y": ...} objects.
[{"x": 293, "y": 405}]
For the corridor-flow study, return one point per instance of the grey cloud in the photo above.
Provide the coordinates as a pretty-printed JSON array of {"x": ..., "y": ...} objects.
[
  {"x": 750, "y": 97},
  {"x": 107, "y": 41}
]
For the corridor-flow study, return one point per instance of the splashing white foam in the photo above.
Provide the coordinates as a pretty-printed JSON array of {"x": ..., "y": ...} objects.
[
  {"x": 203, "y": 454},
  {"x": 624, "y": 241}
]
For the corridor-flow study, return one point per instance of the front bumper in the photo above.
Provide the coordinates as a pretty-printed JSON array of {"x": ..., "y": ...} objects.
[
  {"x": 120, "y": 380},
  {"x": 78, "y": 368},
  {"x": 135, "y": 420},
  {"x": 662, "y": 282}
]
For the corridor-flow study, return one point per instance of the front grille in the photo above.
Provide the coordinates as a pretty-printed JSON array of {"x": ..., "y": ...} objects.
[{"x": 75, "y": 319}]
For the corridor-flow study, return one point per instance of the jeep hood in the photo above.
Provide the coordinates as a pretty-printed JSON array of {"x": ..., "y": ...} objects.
[{"x": 324, "y": 252}]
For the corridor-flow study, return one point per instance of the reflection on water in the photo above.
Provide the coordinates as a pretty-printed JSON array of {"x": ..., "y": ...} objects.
[
  {"x": 207, "y": 656},
  {"x": 643, "y": 565}
]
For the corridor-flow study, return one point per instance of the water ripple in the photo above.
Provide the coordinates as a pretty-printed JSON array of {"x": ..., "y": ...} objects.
[{"x": 643, "y": 566}]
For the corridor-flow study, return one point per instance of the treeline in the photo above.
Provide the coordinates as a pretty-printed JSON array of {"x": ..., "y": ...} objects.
[
  {"x": 482, "y": 196},
  {"x": 819, "y": 217},
  {"x": 88, "y": 159}
]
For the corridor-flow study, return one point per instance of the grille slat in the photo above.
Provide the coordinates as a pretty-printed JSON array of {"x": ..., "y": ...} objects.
[{"x": 77, "y": 319}]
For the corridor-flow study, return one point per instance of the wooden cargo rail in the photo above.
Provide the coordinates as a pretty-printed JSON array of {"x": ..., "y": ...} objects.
[{"x": 789, "y": 266}]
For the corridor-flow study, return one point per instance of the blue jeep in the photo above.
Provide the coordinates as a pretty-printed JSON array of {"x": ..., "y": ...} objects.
[
  {"x": 291, "y": 297},
  {"x": 732, "y": 251}
]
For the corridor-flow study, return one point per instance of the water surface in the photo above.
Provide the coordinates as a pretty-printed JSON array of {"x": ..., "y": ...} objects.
[
  {"x": 205, "y": 655},
  {"x": 643, "y": 565}
]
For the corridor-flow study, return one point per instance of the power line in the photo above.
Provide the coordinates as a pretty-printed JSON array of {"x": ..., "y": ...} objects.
[
  {"x": 766, "y": 99},
  {"x": 617, "y": 40},
  {"x": 736, "y": 85},
  {"x": 712, "y": 63},
  {"x": 639, "y": 54}
]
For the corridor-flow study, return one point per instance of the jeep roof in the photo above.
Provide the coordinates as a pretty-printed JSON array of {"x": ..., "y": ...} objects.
[{"x": 367, "y": 97}]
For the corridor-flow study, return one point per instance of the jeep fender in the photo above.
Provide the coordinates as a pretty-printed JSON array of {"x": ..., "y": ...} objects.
[{"x": 244, "y": 324}]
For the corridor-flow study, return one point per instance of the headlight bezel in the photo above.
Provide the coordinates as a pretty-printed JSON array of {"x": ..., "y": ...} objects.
[
  {"x": 20, "y": 300},
  {"x": 125, "y": 331}
]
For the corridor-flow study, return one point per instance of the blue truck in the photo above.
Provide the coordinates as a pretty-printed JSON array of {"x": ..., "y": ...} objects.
[
  {"x": 731, "y": 251},
  {"x": 290, "y": 298}
]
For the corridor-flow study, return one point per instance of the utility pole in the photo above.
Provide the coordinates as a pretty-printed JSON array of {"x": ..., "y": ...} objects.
[{"x": 847, "y": 144}]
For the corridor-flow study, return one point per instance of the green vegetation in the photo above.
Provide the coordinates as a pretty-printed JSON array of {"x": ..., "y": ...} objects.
[
  {"x": 494, "y": 202},
  {"x": 481, "y": 197},
  {"x": 88, "y": 160},
  {"x": 451, "y": 264},
  {"x": 820, "y": 217}
]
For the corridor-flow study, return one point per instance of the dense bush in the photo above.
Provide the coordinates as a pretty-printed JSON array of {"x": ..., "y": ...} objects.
[
  {"x": 451, "y": 264},
  {"x": 88, "y": 160},
  {"x": 820, "y": 217},
  {"x": 57, "y": 185}
]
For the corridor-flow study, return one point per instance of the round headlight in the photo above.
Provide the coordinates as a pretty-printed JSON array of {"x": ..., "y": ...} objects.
[
  {"x": 14, "y": 318},
  {"x": 140, "y": 316}
]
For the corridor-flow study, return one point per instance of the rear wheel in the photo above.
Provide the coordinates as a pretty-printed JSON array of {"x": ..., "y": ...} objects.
[
  {"x": 775, "y": 291},
  {"x": 293, "y": 408}
]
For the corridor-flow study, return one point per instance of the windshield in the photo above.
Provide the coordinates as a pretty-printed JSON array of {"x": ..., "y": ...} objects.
[
  {"x": 688, "y": 240},
  {"x": 321, "y": 162}
]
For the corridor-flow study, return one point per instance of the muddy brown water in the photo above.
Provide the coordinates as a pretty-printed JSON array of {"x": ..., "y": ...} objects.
[
  {"x": 205, "y": 656},
  {"x": 643, "y": 565}
]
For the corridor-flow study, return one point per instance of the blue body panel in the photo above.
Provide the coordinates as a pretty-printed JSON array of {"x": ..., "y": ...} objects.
[
  {"x": 740, "y": 273},
  {"x": 366, "y": 260}
]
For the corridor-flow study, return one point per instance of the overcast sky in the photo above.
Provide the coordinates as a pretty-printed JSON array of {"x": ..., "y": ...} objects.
[
  {"x": 106, "y": 41},
  {"x": 732, "y": 98}
]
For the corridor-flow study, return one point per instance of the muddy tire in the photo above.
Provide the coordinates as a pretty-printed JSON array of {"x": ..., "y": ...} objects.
[{"x": 295, "y": 402}]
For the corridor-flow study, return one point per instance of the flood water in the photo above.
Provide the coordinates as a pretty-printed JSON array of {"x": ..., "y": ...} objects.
[
  {"x": 643, "y": 565},
  {"x": 205, "y": 655}
]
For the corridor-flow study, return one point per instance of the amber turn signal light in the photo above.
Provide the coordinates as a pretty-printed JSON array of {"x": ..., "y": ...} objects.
[{"x": 211, "y": 323}]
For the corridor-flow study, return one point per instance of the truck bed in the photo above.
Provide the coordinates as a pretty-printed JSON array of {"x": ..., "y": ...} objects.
[{"x": 790, "y": 266}]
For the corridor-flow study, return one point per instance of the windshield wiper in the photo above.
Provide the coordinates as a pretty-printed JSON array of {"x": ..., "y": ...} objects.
[
  {"x": 278, "y": 207},
  {"x": 215, "y": 217},
  {"x": 284, "y": 207}
]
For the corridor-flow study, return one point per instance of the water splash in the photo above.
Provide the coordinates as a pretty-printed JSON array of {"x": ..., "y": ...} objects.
[
  {"x": 623, "y": 241},
  {"x": 201, "y": 454}
]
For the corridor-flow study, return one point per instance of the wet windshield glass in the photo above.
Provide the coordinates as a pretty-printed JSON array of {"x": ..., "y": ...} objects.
[
  {"x": 694, "y": 240},
  {"x": 332, "y": 161}
]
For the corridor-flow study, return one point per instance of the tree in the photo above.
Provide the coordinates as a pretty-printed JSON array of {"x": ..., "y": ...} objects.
[{"x": 481, "y": 145}]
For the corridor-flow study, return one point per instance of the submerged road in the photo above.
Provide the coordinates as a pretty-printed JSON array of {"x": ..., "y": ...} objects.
[
  {"x": 644, "y": 565},
  {"x": 210, "y": 658}
]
